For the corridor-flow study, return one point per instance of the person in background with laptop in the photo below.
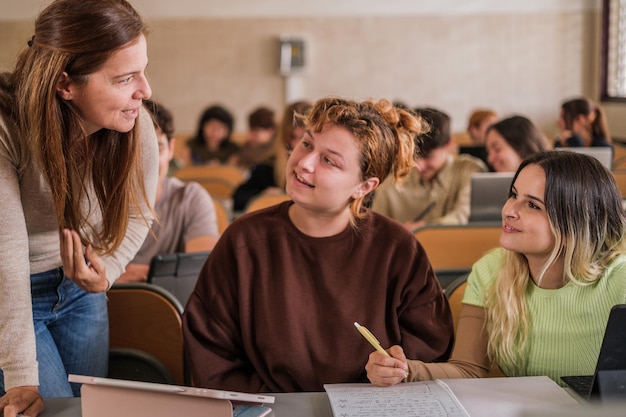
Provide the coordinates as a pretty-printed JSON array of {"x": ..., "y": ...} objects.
[
  {"x": 512, "y": 140},
  {"x": 274, "y": 307},
  {"x": 186, "y": 218},
  {"x": 438, "y": 189},
  {"x": 582, "y": 123},
  {"x": 538, "y": 305},
  {"x": 78, "y": 168}
]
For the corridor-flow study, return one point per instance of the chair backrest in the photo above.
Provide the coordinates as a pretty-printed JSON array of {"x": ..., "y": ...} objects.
[
  {"x": 455, "y": 291},
  {"x": 231, "y": 173},
  {"x": 137, "y": 365},
  {"x": 448, "y": 275},
  {"x": 217, "y": 187},
  {"x": 265, "y": 200},
  {"x": 620, "y": 179},
  {"x": 148, "y": 318},
  {"x": 619, "y": 156},
  {"x": 219, "y": 180},
  {"x": 458, "y": 246},
  {"x": 223, "y": 216}
]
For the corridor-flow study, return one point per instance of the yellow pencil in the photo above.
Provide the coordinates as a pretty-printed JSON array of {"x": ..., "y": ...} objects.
[{"x": 370, "y": 338}]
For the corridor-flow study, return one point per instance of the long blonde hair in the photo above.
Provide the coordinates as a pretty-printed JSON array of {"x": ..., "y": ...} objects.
[
  {"x": 585, "y": 214},
  {"x": 77, "y": 37},
  {"x": 384, "y": 133}
]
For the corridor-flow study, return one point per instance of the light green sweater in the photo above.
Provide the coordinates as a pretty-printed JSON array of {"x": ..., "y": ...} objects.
[{"x": 566, "y": 324}]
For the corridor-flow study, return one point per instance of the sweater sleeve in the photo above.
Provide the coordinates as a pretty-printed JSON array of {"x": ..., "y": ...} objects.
[
  {"x": 17, "y": 336},
  {"x": 137, "y": 228},
  {"x": 211, "y": 327},
  {"x": 469, "y": 358}
]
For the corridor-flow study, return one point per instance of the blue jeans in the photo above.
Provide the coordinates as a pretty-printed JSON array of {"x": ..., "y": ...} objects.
[{"x": 71, "y": 332}]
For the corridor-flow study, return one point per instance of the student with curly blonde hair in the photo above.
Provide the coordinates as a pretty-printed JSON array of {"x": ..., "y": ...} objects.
[
  {"x": 539, "y": 304},
  {"x": 274, "y": 306}
]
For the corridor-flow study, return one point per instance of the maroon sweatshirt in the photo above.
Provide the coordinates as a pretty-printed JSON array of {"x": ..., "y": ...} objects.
[{"x": 273, "y": 309}]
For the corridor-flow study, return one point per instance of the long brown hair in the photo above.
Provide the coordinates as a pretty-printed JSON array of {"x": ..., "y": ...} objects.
[
  {"x": 77, "y": 37},
  {"x": 598, "y": 125}
]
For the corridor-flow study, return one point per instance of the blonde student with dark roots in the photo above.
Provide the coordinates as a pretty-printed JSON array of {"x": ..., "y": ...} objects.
[{"x": 539, "y": 304}]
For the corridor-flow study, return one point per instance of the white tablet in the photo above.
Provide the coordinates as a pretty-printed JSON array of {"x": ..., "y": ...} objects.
[{"x": 173, "y": 389}]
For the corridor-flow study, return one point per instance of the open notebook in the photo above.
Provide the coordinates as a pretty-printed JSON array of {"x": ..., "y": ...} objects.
[
  {"x": 609, "y": 378},
  {"x": 106, "y": 397}
]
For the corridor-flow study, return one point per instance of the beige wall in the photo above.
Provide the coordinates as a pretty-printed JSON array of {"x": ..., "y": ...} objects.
[{"x": 522, "y": 63}]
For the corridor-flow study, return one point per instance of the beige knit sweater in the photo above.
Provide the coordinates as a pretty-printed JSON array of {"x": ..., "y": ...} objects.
[{"x": 29, "y": 243}]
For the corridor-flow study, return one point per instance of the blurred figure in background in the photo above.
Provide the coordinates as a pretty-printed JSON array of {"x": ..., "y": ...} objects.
[
  {"x": 512, "y": 140},
  {"x": 479, "y": 122},
  {"x": 212, "y": 143},
  {"x": 582, "y": 123},
  {"x": 438, "y": 189}
]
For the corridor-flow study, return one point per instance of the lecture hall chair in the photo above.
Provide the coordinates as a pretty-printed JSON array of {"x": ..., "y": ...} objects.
[
  {"x": 147, "y": 318},
  {"x": 458, "y": 246}
]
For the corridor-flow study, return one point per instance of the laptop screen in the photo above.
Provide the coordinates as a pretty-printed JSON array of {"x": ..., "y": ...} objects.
[
  {"x": 177, "y": 272},
  {"x": 489, "y": 192}
]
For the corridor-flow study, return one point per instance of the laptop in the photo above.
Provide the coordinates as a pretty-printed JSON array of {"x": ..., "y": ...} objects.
[
  {"x": 105, "y": 397},
  {"x": 609, "y": 378},
  {"x": 604, "y": 154},
  {"x": 479, "y": 152},
  {"x": 177, "y": 272},
  {"x": 489, "y": 192}
]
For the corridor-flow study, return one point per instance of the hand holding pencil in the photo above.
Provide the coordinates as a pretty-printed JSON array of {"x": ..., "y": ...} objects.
[{"x": 384, "y": 368}]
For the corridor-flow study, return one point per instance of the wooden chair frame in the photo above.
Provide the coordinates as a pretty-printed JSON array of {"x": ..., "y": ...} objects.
[
  {"x": 458, "y": 246},
  {"x": 146, "y": 317}
]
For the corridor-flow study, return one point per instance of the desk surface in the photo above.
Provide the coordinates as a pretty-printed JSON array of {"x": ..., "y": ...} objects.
[{"x": 479, "y": 397}]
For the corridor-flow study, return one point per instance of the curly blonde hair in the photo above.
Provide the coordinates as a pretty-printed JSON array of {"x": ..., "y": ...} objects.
[{"x": 384, "y": 134}]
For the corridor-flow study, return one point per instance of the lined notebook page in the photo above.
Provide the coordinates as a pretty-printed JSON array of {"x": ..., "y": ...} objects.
[{"x": 426, "y": 399}]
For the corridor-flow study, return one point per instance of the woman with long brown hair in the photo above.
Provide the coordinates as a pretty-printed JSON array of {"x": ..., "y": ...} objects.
[{"x": 78, "y": 175}]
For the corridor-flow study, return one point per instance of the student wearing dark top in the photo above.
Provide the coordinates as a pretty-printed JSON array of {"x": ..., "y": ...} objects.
[
  {"x": 212, "y": 143},
  {"x": 258, "y": 155},
  {"x": 274, "y": 307},
  {"x": 582, "y": 123}
]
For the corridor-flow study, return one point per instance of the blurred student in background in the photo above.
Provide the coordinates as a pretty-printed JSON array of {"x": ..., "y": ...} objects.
[
  {"x": 258, "y": 156},
  {"x": 186, "y": 218},
  {"x": 259, "y": 147},
  {"x": 539, "y": 304},
  {"x": 438, "y": 189},
  {"x": 582, "y": 123},
  {"x": 212, "y": 143},
  {"x": 512, "y": 140},
  {"x": 478, "y": 123}
]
